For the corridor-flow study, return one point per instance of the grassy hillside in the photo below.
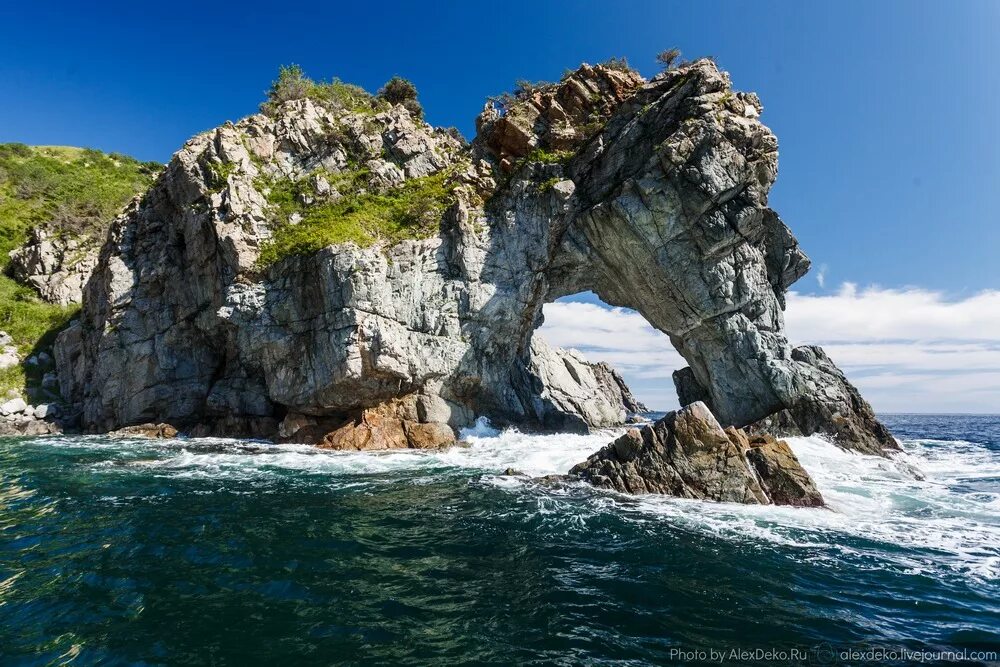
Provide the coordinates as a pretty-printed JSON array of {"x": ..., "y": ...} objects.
[{"x": 69, "y": 191}]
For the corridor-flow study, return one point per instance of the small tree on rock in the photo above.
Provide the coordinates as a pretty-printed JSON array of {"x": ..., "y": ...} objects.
[
  {"x": 667, "y": 58},
  {"x": 291, "y": 84},
  {"x": 398, "y": 90}
]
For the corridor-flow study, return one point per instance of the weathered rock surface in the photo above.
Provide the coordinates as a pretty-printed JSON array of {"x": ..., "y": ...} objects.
[
  {"x": 612, "y": 384},
  {"x": 25, "y": 425},
  {"x": 57, "y": 267},
  {"x": 13, "y": 406},
  {"x": 782, "y": 476},
  {"x": 153, "y": 431},
  {"x": 830, "y": 405},
  {"x": 688, "y": 454},
  {"x": 19, "y": 418},
  {"x": 573, "y": 394},
  {"x": 652, "y": 194},
  {"x": 397, "y": 424},
  {"x": 8, "y": 353}
]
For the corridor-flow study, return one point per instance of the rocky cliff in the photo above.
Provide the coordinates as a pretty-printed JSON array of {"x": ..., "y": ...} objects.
[
  {"x": 336, "y": 255},
  {"x": 56, "y": 202}
]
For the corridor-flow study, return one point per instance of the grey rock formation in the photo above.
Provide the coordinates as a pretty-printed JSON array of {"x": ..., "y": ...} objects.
[
  {"x": 58, "y": 268},
  {"x": 688, "y": 454},
  {"x": 829, "y": 405},
  {"x": 612, "y": 384},
  {"x": 19, "y": 418},
  {"x": 653, "y": 194},
  {"x": 573, "y": 394},
  {"x": 13, "y": 406},
  {"x": 8, "y": 352}
]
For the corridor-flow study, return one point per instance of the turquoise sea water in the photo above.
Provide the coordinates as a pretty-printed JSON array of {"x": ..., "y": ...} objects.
[{"x": 238, "y": 553}]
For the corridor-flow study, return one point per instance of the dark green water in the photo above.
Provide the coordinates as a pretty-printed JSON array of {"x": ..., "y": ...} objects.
[{"x": 136, "y": 552}]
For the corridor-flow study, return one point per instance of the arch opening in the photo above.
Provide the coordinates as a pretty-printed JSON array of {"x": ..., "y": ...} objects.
[{"x": 620, "y": 337}]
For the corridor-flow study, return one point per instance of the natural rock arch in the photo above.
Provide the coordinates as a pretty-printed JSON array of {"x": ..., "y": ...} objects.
[{"x": 652, "y": 194}]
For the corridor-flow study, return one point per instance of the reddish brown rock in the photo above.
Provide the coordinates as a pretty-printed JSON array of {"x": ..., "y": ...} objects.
[
  {"x": 392, "y": 425},
  {"x": 428, "y": 436},
  {"x": 783, "y": 477},
  {"x": 370, "y": 431},
  {"x": 558, "y": 116}
]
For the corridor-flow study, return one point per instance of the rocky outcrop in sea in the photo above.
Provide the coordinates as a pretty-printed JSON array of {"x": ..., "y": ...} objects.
[
  {"x": 336, "y": 262},
  {"x": 689, "y": 455}
]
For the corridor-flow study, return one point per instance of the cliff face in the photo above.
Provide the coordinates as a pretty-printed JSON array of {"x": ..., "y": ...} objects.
[{"x": 324, "y": 260}]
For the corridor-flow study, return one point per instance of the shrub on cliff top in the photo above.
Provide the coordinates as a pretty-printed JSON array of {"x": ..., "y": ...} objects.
[
  {"x": 398, "y": 90},
  {"x": 291, "y": 84},
  {"x": 620, "y": 64}
]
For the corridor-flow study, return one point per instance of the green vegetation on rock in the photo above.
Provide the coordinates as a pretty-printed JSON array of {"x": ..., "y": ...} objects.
[
  {"x": 32, "y": 323},
  {"x": 548, "y": 157},
  {"x": 70, "y": 192},
  {"x": 411, "y": 211},
  {"x": 668, "y": 58},
  {"x": 620, "y": 64}
]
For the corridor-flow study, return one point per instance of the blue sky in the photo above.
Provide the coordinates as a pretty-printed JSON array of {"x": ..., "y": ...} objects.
[{"x": 886, "y": 112}]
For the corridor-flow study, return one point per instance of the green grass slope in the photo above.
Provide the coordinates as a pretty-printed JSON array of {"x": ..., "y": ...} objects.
[{"x": 69, "y": 191}]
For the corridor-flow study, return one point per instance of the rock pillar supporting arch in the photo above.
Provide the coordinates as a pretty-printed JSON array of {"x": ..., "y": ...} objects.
[{"x": 677, "y": 227}]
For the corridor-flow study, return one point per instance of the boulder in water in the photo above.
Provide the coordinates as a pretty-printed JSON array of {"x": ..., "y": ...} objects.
[
  {"x": 155, "y": 431},
  {"x": 688, "y": 454}
]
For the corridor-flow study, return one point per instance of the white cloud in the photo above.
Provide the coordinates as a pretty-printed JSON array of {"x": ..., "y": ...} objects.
[
  {"x": 908, "y": 350},
  {"x": 618, "y": 336},
  {"x": 875, "y": 314},
  {"x": 821, "y": 276}
]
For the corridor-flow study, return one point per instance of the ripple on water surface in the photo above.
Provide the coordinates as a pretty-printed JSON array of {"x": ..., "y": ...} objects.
[{"x": 126, "y": 551}]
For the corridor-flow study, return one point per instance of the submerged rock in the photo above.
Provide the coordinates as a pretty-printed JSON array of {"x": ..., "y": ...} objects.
[
  {"x": 154, "y": 431},
  {"x": 688, "y": 454},
  {"x": 206, "y": 308}
]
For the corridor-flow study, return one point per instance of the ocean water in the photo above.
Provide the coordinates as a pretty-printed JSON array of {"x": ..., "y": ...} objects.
[{"x": 237, "y": 553}]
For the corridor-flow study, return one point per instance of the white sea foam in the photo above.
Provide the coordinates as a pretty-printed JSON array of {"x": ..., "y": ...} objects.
[
  {"x": 881, "y": 504},
  {"x": 948, "y": 520}
]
